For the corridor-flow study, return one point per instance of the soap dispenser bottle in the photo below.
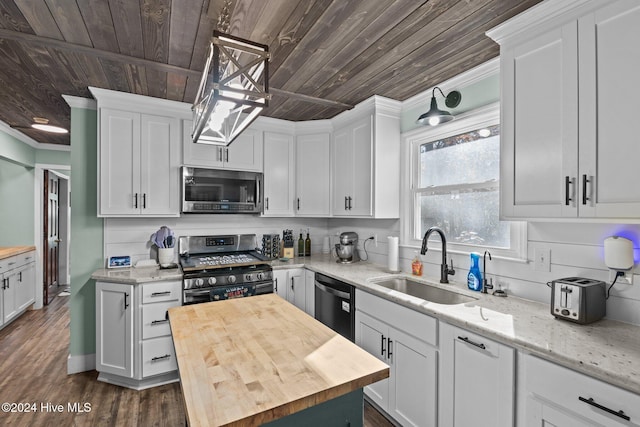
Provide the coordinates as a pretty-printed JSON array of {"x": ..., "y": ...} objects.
[{"x": 474, "y": 278}]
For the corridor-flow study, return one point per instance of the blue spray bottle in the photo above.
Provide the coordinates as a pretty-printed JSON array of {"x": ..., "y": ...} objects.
[{"x": 474, "y": 278}]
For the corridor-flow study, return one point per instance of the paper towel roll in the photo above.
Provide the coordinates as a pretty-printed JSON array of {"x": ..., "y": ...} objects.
[
  {"x": 392, "y": 261},
  {"x": 618, "y": 253}
]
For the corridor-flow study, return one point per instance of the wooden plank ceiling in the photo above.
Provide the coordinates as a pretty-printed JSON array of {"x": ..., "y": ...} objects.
[{"x": 339, "y": 50}]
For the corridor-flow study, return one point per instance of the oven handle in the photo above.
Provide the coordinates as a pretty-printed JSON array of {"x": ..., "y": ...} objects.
[
  {"x": 332, "y": 291},
  {"x": 190, "y": 292}
]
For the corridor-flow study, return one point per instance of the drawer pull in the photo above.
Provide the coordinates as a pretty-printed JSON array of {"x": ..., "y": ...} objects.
[
  {"x": 166, "y": 356},
  {"x": 160, "y": 294},
  {"x": 590, "y": 401},
  {"x": 11, "y": 263},
  {"x": 157, "y": 322},
  {"x": 468, "y": 341}
]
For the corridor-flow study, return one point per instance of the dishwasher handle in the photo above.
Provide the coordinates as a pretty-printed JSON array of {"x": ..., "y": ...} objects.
[{"x": 340, "y": 294}]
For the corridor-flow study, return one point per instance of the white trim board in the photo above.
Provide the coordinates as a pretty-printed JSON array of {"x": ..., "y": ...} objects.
[{"x": 81, "y": 363}]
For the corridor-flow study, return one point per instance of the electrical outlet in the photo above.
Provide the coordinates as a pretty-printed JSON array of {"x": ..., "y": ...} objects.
[
  {"x": 627, "y": 279},
  {"x": 542, "y": 259}
]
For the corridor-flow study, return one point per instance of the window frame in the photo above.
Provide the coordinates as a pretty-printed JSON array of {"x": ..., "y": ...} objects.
[{"x": 410, "y": 220}]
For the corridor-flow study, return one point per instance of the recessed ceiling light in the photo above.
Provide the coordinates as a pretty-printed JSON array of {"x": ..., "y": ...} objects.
[{"x": 42, "y": 124}]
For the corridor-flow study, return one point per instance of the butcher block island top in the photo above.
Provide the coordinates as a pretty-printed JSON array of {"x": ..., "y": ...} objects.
[{"x": 249, "y": 361}]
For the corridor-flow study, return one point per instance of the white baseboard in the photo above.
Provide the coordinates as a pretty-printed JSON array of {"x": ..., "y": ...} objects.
[{"x": 81, "y": 363}]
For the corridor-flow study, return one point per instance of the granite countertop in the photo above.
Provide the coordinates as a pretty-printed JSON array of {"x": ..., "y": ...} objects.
[
  {"x": 137, "y": 275},
  {"x": 232, "y": 373},
  {"x": 608, "y": 350},
  {"x": 9, "y": 251}
]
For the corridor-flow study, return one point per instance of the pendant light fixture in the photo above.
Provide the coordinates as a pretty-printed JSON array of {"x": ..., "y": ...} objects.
[
  {"x": 435, "y": 116},
  {"x": 233, "y": 91}
]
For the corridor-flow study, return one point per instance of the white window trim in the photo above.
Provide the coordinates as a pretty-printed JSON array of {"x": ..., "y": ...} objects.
[{"x": 472, "y": 120}]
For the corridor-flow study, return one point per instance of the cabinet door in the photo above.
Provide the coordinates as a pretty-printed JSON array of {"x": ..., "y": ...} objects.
[
  {"x": 313, "y": 175},
  {"x": 342, "y": 171},
  {"x": 413, "y": 388},
  {"x": 539, "y": 144},
  {"x": 119, "y": 163},
  {"x": 296, "y": 287},
  {"x": 9, "y": 287},
  {"x": 114, "y": 328},
  {"x": 310, "y": 292},
  {"x": 540, "y": 413},
  {"x": 362, "y": 173},
  {"x": 280, "y": 283},
  {"x": 278, "y": 174},
  {"x": 26, "y": 286},
  {"x": 199, "y": 155},
  {"x": 159, "y": 167},
  {"x": 245, "y": 153},
  {"x": 372, "y": 335},
  {"x": 609, "y": 152},
  {"x": 477, "y": 384}
]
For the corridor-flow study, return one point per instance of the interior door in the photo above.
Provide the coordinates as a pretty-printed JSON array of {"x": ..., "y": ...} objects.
[{"x": 51, "y": 235}]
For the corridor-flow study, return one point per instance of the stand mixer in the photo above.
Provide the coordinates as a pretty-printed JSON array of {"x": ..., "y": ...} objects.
[{"x": 347, "y": 249}]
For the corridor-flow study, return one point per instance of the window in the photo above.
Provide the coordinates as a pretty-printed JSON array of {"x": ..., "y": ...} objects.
[{"x": 455, "y": 184}]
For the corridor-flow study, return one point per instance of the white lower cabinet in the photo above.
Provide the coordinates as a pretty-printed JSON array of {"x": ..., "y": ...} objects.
[
  {"x": 134, "y": 347},
  {"x": 310, "y": 292},
  {"x": 407, "y": 341},
  {"x": 18, "y": 292},
  {"x": 290, "y": 285},
  {"x": 476, "y": 380},
  {"x": 552, "y": 395}
]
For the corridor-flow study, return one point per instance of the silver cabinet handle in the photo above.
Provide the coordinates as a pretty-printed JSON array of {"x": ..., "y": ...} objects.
[
  {"x": 468, "y": 341},
  {"x": 590, "y": 401}
]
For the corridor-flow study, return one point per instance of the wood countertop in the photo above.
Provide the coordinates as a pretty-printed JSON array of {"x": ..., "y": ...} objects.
[
  {"x": 249, "y": 361},
  {"x": 9, "y": 251}
]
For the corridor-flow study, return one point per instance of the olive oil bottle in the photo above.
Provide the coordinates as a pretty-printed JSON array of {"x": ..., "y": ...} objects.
[{"x": 307, "y": 245}]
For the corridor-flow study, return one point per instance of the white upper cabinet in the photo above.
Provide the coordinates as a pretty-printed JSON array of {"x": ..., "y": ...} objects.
[
  {"x": 139, "y": 155},
  {"x": 366, "y": 161},
  {"x": 313, "y": 175},
  {"x": 568, "y": 91},
  {"x": 279, "y": 169},
  {"x": 244, "y": 153}
]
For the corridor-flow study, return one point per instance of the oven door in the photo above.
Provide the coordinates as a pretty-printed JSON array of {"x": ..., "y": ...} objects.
[{"x": 196, "y": 296}]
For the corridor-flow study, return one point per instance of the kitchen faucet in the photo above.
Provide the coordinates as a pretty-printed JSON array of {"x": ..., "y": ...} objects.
[
  {"x": 444, "y": 269},
  {"x": 485, "y": 284}
]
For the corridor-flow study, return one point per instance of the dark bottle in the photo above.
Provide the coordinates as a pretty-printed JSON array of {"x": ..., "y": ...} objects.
[
  {"x": 300, "y": 246},
  {"x": 307, "y": 245}
]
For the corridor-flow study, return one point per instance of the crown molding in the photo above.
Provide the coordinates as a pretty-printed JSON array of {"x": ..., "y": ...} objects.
[
  {"x": 78, "y": 102},
  {"x": 4, "y": 127},
  {"x": 313, "y": 126},
  {"x": 474, "y": 75},
  {"x": 146, "y": 104}
]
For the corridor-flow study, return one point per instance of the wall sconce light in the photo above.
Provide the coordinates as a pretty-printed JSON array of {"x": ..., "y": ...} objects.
[
  {"x": 233, "y": 91},
  {"x": 435, "y": 116}
]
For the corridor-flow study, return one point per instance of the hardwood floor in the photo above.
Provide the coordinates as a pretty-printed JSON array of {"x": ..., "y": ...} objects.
[{"x": 33, "y": 373}]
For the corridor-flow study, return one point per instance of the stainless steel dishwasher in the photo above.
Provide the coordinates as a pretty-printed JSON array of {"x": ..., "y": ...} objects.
[{"x": 335, "y": 305}]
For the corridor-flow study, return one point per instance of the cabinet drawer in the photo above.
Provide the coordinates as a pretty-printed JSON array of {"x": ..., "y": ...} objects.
[
  {"x": 161, "y": 291},
  {"x": 158, "y": 356},
  {"x": 420, "y": 325},
  {"x": 569, "y": 389},
  {"x": 155, "y": 321}
]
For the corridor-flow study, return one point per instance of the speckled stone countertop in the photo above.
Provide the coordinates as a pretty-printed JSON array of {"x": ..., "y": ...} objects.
[
  {"x": 136, "y": 275},
  {"x": 607, "y": 349},
  {"x": 9, "y": 251}
]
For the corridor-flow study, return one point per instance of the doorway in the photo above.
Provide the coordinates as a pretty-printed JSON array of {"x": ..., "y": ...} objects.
[{"x": 55, "y": 242}]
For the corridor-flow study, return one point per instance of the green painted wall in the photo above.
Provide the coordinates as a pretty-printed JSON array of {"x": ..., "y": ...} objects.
[
  {"x": 86, "y": 231},
  {"x": 16, "y": 151},
  {"x": 478, "y": 94},
  {"x": 16, "y": 209},
  {"x": 53, "y": 157}
]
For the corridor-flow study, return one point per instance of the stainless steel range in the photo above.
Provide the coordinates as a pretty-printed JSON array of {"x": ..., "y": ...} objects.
[{"x": 222, "y": 267}]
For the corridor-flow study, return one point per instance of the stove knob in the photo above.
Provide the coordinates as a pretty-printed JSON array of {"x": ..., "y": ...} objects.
[
  {"x": 231, "y": 279},
  {"x": 211, "y": 280},
  {"x": 248, "y": 277},
  {"x": 260, "y": 276},
  {"x": 199, "y": 283}
]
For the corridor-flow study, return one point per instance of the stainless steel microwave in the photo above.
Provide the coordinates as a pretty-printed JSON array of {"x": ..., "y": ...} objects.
[{"x": 221, "y": 191}]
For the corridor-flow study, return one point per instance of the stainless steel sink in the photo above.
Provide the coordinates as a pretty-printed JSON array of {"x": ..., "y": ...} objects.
[{"x": 423, "y": 290}]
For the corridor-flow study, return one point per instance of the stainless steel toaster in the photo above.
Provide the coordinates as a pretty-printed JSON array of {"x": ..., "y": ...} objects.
[{"x": 578, "y": 299}]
